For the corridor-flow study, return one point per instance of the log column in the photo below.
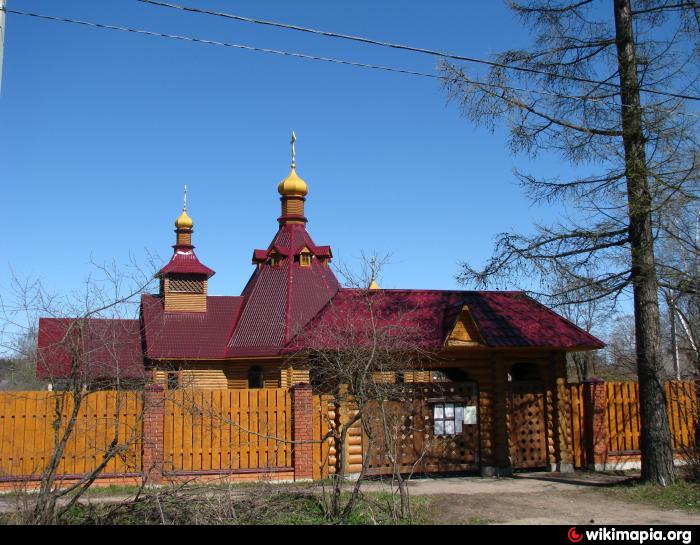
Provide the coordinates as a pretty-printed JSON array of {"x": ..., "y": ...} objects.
[
  {"x": 501, "y": 451},
  {"x": 562, "y": 416}
]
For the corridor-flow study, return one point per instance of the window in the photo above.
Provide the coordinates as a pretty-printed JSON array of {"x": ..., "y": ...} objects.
[
  {"x": 305, "y": 259},
  {"x": 449, "y": 375},
  {"x": 447, "y": 419},
  {"x": 525, "y": 371},
  {"x": 184, "y": 284},
  {"x": 255, "y": 377},
  {"x": 275, "y": 259},
  {"x": 173, "y": 381},
  {"x": 439, "y": 376}
]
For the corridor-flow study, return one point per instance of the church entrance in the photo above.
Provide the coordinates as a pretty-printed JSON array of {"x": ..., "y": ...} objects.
[
  {"x": 527, "y": 418},
  {"x": 436, "y": 430}
]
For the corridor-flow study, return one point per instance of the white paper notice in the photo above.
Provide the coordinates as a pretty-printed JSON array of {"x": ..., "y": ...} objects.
[{"x": 470, "y": 414}]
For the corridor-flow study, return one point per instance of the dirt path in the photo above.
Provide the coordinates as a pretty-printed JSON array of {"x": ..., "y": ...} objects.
[
  {"x": 537, "y": 499},
  {"x": 545, "y": 498}
]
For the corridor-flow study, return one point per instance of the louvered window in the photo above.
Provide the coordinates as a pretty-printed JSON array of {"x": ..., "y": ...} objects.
[{"x": 186, "y": 285}]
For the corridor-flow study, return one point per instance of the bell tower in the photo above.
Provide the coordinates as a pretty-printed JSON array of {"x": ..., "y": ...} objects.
[{"x": 184, "y": 280}]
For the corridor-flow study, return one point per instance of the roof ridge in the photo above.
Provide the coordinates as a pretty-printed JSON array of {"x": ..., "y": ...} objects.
[{"x": 410, "y": 290}]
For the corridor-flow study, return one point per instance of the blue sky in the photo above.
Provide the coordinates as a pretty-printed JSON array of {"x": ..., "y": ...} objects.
[{"x": 99, "y": 130}]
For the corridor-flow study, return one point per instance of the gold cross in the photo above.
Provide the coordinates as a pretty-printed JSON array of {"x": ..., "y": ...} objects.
[
  {"x": 294, "y": 139},
  {"x": 184, "y": 200}
]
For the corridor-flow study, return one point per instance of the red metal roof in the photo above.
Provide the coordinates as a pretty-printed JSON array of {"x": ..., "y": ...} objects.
[
  {"x": 184, "y": 261},
  {"x": 515, "y": 319},
  {"x": 288, "y": 307},
  {"x": 504, "y": 319},
  {"x": 189, "y": 335},
  {"x": 306, "y": 315},
  {"x": 107, "y": 348},
  {"x": 281, "y": 299}
]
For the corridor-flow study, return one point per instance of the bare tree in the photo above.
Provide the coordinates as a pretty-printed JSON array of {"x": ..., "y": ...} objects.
[
  {"x": 678, "y": 243},
  {"x": 18, "y": 372},
  {"x": 357, "y": 348},
  {"x": 605, "y": 86},
  {"x": 82, "y": 353}
]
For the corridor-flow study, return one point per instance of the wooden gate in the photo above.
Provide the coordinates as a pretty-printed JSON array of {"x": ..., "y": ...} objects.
[
  {"x": 527, "y": 424},
  {"x": 434, "y": 428}
]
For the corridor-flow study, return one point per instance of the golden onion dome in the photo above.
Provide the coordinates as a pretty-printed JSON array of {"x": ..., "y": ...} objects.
[
  {"x": 184, "y": 221},
  {"x": 293, "y": 185}
]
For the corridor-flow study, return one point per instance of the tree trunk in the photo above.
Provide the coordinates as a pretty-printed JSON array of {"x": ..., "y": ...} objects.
[{"x": 657, "y": 455}]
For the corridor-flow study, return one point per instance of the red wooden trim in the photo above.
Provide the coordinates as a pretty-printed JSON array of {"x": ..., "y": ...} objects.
[
  {"x": 69, "y": 476},
  {"x": 230, "y": 471}
]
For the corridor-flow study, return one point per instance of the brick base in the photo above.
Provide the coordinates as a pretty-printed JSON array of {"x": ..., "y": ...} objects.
[
  {"x": 153, "y": 425},
  {"x": 302, "y": 400}
]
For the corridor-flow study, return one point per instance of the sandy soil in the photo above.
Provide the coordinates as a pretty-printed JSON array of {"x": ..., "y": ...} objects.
[{"x": 538, "y": 499}]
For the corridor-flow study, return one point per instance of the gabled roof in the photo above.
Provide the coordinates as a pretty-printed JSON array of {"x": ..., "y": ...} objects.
[
  {"x": 426, "y": 318},
  {"x": 106, "y": 348},
  {"x": 280, "y": 300},
  {"x": 503, "y": 319},
  {"x": 184, "y": 261},
  {"x": 515, "y": 319},
  {"x": 188, "y": 335}
]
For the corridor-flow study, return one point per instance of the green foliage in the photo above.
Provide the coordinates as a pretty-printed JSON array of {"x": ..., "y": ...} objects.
[{"x": 679, "y": 495}]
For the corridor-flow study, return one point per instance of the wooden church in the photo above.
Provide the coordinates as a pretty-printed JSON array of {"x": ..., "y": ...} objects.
[{"x": 503, "y": 342}]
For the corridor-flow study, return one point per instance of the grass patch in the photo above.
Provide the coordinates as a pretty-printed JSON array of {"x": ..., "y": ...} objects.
[
  {"x": 680, "y": 495},
  {"x": 261, "y": 505},
  {"x": 113, "y": 490}
]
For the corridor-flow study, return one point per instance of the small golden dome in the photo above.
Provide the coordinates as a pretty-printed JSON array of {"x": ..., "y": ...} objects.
[
  {"x": 293, "y": 185},
  {"x": 184, "y": 221}
]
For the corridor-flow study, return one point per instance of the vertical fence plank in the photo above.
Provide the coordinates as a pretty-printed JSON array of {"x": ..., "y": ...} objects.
[
  {"x": 262, "y": 429},
  {"x": 280, "y": 447},
  {"x": 254, "y": 424},
  {"x": 245, "y": 426},
  {"x": 236, "y": 430},
  {"x": 288, "y": 428},
  {"x": 623, "y": 419}
]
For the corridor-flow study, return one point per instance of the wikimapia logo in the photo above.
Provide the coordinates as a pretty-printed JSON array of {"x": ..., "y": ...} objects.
[{"x": 636, "y": 536}]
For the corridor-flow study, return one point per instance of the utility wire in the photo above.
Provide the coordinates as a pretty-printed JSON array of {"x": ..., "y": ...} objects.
[
  {"x": 214, "y": 42},
  {"x": 319, "y": 58},
  {"x": 413, "y": 49}
]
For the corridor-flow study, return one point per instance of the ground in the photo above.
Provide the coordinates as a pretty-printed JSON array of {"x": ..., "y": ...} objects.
[
  {"x": 542, "y": 498},
  {"x": 531, "y": 498}
]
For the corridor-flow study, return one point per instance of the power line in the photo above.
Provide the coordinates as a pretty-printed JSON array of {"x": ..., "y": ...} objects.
[
  {"x": 403, "y": 47},
  {"x": 319, "y": 58},
  {"x": 223, "y": 44}
]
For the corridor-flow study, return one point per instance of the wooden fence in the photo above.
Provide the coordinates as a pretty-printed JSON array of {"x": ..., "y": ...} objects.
[
  {"x": 578, "y": 425},
  {"x": 623, "y": 421},
  {"x": 219, "y": 431},
  {"x": 27, "y": 433},
  {"x": 324, "y": 419},
  {"x": 252, "y": 431}
]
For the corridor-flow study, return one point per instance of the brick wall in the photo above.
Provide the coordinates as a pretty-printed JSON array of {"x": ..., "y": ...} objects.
[
  {"x": 596, "y": 426},
  {"x": 153, "y": 422},
  {"x": 303, "y": 432}
]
